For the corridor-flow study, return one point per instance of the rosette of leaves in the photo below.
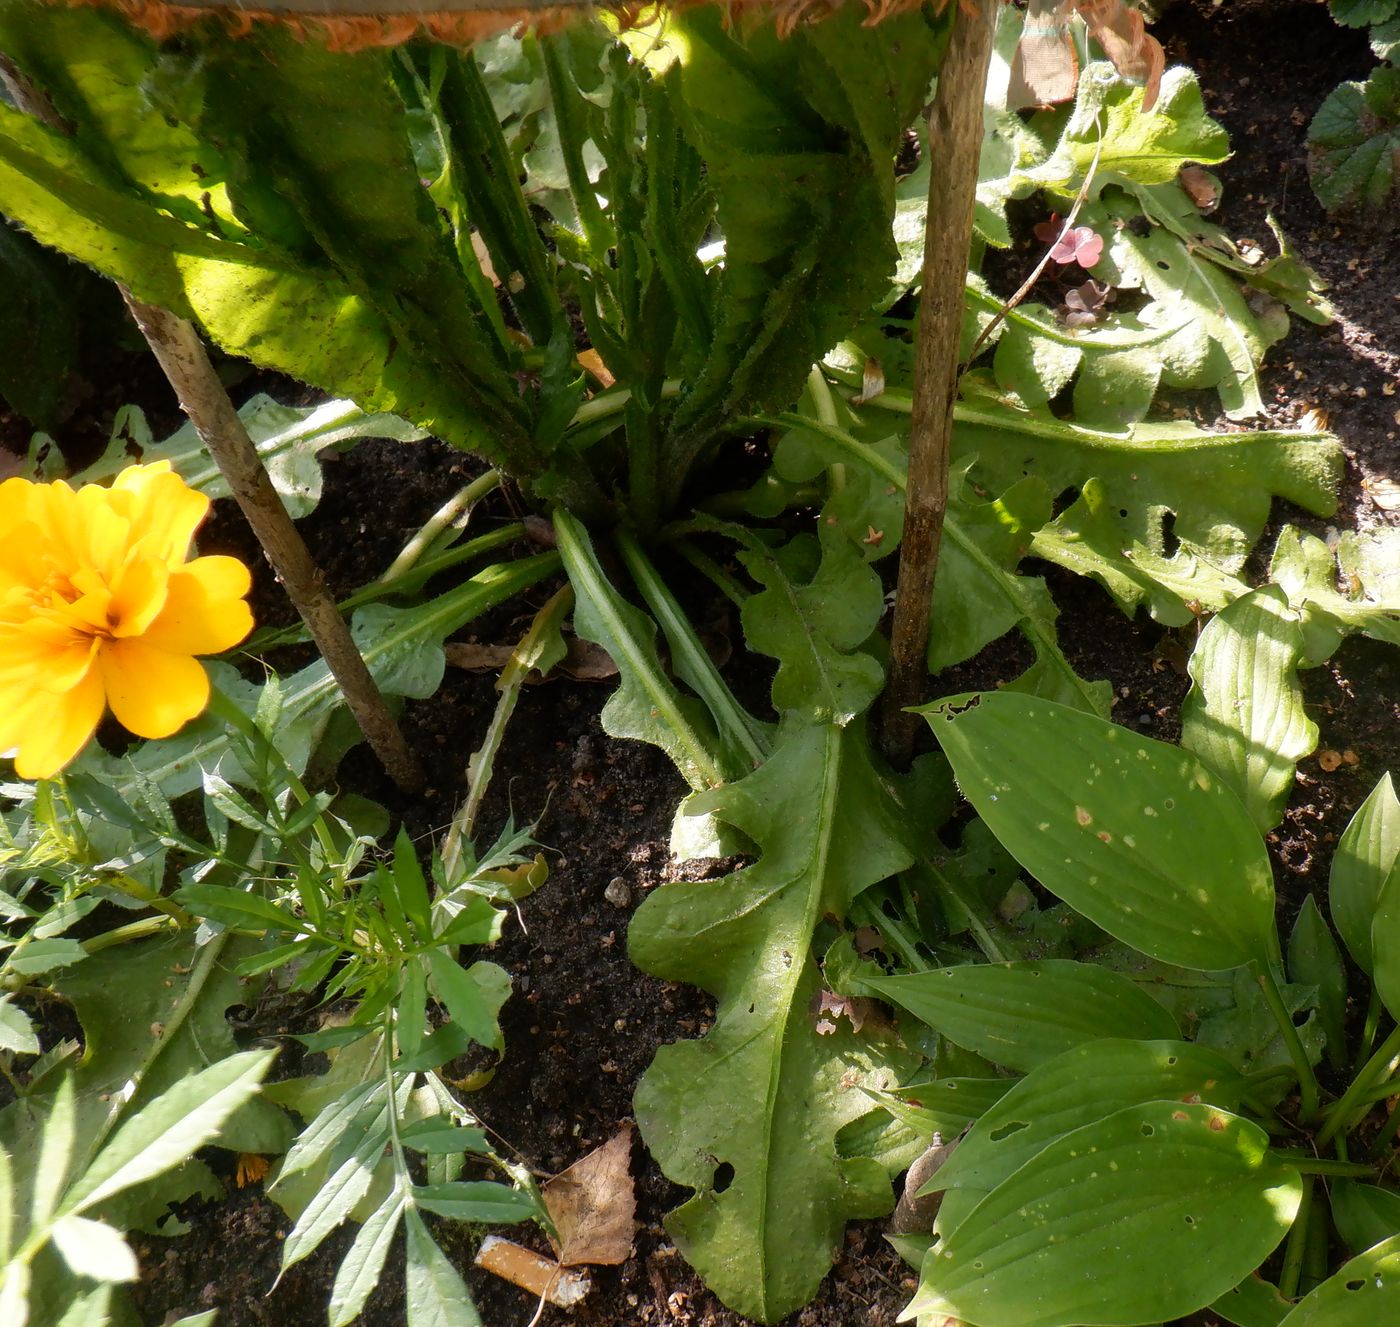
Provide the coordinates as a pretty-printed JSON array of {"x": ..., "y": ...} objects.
[{"x": 1354, "y": 145}]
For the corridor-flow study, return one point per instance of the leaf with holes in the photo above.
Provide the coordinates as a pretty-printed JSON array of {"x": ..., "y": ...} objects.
[
  {"x": 750, "y": 1112},
  {"x": 1024, "y": 1013},
  {"x": 1354, "y": 589},
  {"x": 1146, "y": 1215},
  {"x": 1244, "y": 716},
  {"x": 1364, "y": 1292},
  {"x": 1135, "y": 834}
]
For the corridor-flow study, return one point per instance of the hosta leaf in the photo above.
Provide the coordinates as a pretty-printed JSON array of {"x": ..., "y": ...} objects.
[
  {"x": 1024, "y": 1013},
  {"x": 1315, "y": 960},
  {"x": 1385, "y": 942},
  {"x": 1354, "y": 143},
  {"x": 1365, "y": 1214},
  {"x": 1252, "y": 1303},
  {"x": 1355, "y": 589},
  {"x": 1364, "y": 1292},
  {"x": 748, "y": 1116},
  {"x": 1218, "y": 484},
  {"x": 1366, "y": 857},
  {"x": 1133, "y": 833},
  {"x": 1244, "y": 716},
  {"x": 1143, "y": 1216},
  {"x": 1076, "y": 1089}
]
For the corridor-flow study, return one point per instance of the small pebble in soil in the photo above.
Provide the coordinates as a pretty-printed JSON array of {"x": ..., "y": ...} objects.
[{"x": 618, "y": 892}]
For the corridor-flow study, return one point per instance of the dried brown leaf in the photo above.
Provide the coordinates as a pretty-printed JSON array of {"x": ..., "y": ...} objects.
[
  {"x": 593, "y": 1205},
  {"x": 1125, "y": 40},
  {"x": 1045, "y": 68}
]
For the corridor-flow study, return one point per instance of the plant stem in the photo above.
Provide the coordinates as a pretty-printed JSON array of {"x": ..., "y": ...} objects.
[
  {"x": 1368, "y": 1028},
  {"x": 138, "y": 930},
  {"x": 955, "y": 124},
  {"x": 1307, "y": 1080},
  {"x": 1297, "y": 1243},
  {"x": 1312, "y": 1165},
  {"x": 1340, "y": 1112},
  {"x": 460, "y": 504},
  {"x": 202, "y": 397},
  {"x": 707, "y": 566},
  {"x": 1382, "y": 1139}
]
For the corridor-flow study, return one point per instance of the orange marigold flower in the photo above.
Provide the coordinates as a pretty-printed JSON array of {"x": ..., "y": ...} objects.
[{"x": 99, "y": 606}]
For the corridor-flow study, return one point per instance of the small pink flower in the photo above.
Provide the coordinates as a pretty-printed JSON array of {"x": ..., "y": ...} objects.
[{"x": 1081, "y": 245}]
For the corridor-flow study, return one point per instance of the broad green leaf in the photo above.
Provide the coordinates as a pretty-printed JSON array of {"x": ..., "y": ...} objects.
[
  {"x": 763, "y": 1095},
  {"x": 43, "y": 956},
  {"x": 1076, "y": 1089},
  {"x": 1357, "y": 589},
  {"x": 1244, "y": 716},
  {"x": 1252, "y": 1303},
  {"x": 1314, "y": 959},
  {"x": 359, "y": 1270},
  {"x": 1219, "y": 485},
  {"x": 163, "y": 1134},
  {"x": 1134, "y": 147},
  {"x": 1365, "y": 858},
  {"x": 1022, "y": 1014},
  {"x": 1366, "y": 1291},
  {"x": 977, "y": 594},
  {"x": 475, "y": 1200},
  {"x": 1087, "y": 539},
  {"x": 944, "y": 1105},
  {"x": 1353, "y": 143},
  {"x": 1365, "y": 1214},
  {"x": 93, "y": 1249},
  {"x": 1134, "y": 834},
  {"x": 1144, "y": 1216},
  {"x": 646, "y": 706},
  {"x": 1385, "y": 942},
  {"x": 436, "y": 1296},
  {"x": 820, "y": 603},
  {"x": 14, "y": 1293}
]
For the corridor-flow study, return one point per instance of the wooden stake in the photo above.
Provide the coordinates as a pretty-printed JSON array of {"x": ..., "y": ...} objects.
[
  {"x": 181, "y": 354},
  {"x": 955, "y": 142}
]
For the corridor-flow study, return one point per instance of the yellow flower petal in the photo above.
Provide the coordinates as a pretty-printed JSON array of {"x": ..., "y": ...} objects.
[
  {"x": 45, "y": 657},
  {"x": 163, "y": 510},
  {"x": 204, "y": 611},
  {"x": 152, "y": 693},
  {"x": 138, "y": 597},
  {"x": 49, "y": 735}
]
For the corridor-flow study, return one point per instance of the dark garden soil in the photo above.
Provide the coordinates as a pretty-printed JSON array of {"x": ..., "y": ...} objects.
[{"x": 583, "y": 1023}]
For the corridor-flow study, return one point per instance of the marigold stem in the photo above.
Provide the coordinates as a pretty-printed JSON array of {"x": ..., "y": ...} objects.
[{"x": 181, "y": 354}]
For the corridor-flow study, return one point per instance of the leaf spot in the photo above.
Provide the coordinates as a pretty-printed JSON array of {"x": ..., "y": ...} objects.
[
  {"x": 1129, "y": 841},
  {"x": 1082, "y": 816},
  {"x": 1104, "y": 836}
]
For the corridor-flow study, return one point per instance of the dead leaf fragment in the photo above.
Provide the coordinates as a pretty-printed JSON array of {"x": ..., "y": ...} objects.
[
  {"x": 1329, "y": 760},
  {"x": 593, "y": 1205},
  {"x": 584, "y": 661},
  {"x": 1385, "y": 493},
  {"x": 1203, "y": 187},
  {"x": 532, "y": 1271}
]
